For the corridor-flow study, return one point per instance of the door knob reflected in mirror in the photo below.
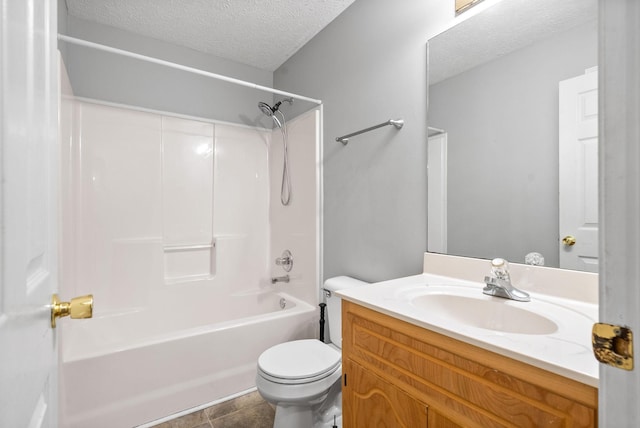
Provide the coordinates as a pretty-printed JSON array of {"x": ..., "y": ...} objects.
[
  {"x": 78, "y": 307},
  {"x": 569, "y": 240}
]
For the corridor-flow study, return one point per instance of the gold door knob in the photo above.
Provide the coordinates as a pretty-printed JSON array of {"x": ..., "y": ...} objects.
[
  {"x": 569, "y": 240},
  {"x": 78, "y": 307}
]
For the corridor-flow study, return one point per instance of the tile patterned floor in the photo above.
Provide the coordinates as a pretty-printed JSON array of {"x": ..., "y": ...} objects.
[{"x": 248, "y": 410}]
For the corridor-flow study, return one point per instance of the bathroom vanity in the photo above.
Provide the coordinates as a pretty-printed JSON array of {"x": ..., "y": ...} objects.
[
  {"x": 452, "y": 365},
  {"x": 398, "y": 374}
]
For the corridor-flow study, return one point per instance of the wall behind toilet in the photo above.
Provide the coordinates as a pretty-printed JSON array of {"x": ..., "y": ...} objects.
[{"x": 368, "y": 66}]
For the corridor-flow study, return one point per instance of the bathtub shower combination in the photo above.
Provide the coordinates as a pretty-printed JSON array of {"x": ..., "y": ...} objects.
[{"x": 173, "y": 225}]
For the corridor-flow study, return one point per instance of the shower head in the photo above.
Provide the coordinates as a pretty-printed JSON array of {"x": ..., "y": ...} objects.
[
  {"x": 266, "y": 108},
  {"x": 270, "y": 111}
]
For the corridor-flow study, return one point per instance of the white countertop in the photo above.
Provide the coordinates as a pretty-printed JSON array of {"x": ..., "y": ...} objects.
[{"x": 565, "y": 351}]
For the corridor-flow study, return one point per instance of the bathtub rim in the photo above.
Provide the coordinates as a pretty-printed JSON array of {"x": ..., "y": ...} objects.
[{"x": 157, "y": 339}]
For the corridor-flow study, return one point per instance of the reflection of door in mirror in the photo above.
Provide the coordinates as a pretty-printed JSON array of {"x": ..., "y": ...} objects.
[
  {"x": 578, "y": 172},
  {"x": 437, "y": 191}
]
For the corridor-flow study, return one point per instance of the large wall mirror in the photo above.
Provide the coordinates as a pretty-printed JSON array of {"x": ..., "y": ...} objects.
[{"x": 494, "y": 96}]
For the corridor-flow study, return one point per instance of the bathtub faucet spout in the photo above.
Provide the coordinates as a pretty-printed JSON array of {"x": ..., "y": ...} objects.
[{"x": 280, "y": 279}]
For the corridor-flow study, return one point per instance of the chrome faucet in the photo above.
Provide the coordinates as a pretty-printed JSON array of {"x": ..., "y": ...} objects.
[
  {"x": 499, "y": 283},
  {"x": 280, "y": 279}
]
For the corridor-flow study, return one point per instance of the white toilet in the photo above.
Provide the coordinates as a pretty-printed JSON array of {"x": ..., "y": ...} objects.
[{"x": 303, "y": 377}]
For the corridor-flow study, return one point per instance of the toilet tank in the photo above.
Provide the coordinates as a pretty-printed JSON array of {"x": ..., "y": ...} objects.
[{"x": 334, "y": 306}]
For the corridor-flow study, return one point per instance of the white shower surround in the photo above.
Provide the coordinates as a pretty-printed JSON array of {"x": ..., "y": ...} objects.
[{"x": 144, "y": 195}]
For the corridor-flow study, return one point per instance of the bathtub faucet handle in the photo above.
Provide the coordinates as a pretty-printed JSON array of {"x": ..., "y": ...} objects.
[{"x": 285, "y": 260}]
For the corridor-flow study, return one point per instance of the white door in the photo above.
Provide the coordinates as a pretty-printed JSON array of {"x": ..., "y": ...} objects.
[
  {"x": 619, "y": 40},
  {"x": 28, "y": 261},
  {"x": 437, "y": 192},
  {"x": 578, "y": 172}
]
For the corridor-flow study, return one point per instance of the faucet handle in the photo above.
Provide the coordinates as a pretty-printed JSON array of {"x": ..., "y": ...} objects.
[
  {"x": 534, "y": 259},
  {"x": 500, "y": 269},
  {"x": 285, "y": 260},
  {"x": 499, "y": 263}
]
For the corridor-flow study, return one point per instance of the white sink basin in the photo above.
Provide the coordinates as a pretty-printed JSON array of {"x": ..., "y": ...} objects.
[
  {"x": 549, "y": 332},
  {"x": 490, "y": 313}
]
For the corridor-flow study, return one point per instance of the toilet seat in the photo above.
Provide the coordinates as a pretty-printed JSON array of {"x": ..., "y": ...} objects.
[{"x": 298, "y": 362}]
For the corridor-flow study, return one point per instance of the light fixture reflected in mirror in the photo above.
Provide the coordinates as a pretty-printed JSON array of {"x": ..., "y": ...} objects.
[{"x": 464, "y": 5}]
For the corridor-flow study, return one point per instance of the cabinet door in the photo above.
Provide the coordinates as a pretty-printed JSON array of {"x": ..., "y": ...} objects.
[
  {"x": 436, "y": 420},
  {"x": 370, "y": 401}
]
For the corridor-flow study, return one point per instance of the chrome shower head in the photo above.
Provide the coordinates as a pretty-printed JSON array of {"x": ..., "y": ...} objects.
[
  {"x": 270, "y": 111},
  {"x": 266, "y": 108}
]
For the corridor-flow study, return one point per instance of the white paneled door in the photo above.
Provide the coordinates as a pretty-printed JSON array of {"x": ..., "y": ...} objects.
[
  {"x": 28, "y": 262},
  {"x": 437, "y": 193},
  {"x": 578, "y": 172},
  {"x": 619, "y": 84}
]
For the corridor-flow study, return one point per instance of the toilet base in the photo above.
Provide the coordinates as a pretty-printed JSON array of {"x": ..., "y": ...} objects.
[
  {"x": 327, "y": 414},
  {"x": 298, "y": 416},
  {"x": 293, "y": 416}
]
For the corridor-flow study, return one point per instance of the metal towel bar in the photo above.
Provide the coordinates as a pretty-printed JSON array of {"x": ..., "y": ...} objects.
[{"x": 398, "y": 123}]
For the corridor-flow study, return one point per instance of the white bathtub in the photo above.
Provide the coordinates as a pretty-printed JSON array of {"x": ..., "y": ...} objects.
[{"x": 125, "y": 370}]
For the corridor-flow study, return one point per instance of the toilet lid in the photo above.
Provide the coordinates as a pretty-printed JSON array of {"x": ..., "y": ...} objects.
[{"x": 299, "y": 359}]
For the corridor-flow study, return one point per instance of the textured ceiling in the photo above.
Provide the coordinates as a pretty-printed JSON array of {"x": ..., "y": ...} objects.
[
  {"x": 501, "y": 29},
  {"x": 261, "y": 33}
]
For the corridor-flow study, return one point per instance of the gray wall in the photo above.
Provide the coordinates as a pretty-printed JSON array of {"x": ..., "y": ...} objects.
[
  {"x": 114, "y": 78},
  {"x": 369, "y": 65},
  {"x": 62, "y": 26},
  {"x": 502, "y": 125}
]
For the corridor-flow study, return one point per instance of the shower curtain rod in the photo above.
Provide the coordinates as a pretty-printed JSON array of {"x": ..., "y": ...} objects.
[{"x": 109, "y": 49}]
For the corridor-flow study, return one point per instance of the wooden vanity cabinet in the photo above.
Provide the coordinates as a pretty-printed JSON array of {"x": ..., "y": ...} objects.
[
  {"x": 374, "y": 402},
  {"x": 396, "y": 374}
]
